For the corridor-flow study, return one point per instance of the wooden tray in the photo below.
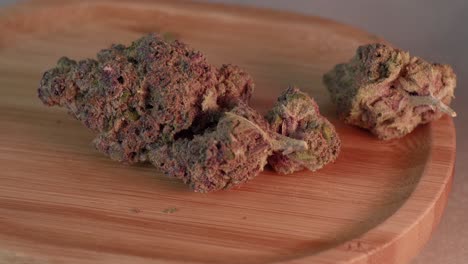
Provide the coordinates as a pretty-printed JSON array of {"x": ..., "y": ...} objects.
[{"x": 63, "y": 202}]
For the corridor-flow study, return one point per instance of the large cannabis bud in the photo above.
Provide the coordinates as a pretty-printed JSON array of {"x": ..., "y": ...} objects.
[
  {"x": 162, "y": 102},
  {"x": 296, "y": 115},
  {"x": 148, "y": 93},
  {"x": 386, "y": 91}
]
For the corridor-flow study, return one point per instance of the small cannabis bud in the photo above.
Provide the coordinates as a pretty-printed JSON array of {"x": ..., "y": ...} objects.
[
  {"x": 148, "y": 93},
  {"x": 297, "y": 116},
  {"x": 231, "y": 152},
  {"x": 163, "y": 103},
  {"x": 386, "y": 91}
]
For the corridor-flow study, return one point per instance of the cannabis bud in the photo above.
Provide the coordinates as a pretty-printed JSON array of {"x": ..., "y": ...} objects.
[
  {"x": 386, "y": 91},
  {"x": 148, "y": 93},
  {"x": 231, "y": 152},
  {"x": 297, "y": 116}
]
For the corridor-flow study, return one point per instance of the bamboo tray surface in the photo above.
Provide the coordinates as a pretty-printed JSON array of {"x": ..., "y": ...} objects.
[{"x": 63, "y": 202}]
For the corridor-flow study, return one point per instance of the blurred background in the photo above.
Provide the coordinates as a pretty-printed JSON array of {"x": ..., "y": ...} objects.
[{"x": 435, "y": 30}]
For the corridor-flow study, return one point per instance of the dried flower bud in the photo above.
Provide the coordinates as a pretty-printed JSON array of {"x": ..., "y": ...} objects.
[
  {"x": 386, "y": 91},
  {"x": 231, "y": 152},
  {"x": 297, "y": 116},
  {"x": 147, "y": 93}
]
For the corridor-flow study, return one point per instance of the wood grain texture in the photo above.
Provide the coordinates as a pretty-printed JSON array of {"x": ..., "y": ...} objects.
[{"x": 63, "y": 202}]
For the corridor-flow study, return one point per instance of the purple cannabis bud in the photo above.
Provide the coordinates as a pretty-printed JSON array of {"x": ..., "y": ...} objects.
[
  {"x": 147, "y": 93},
  {"x": 386, "y": 91},
  {"x": 296, "y": 115},
  {"x": 231, "y": 152}
]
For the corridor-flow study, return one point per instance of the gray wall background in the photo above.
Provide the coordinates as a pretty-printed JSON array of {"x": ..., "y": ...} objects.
[{"x": 433, "y": 29}]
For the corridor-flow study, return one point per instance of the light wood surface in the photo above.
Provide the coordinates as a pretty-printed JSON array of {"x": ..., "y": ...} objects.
[{"x": 63, "y": 202}]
